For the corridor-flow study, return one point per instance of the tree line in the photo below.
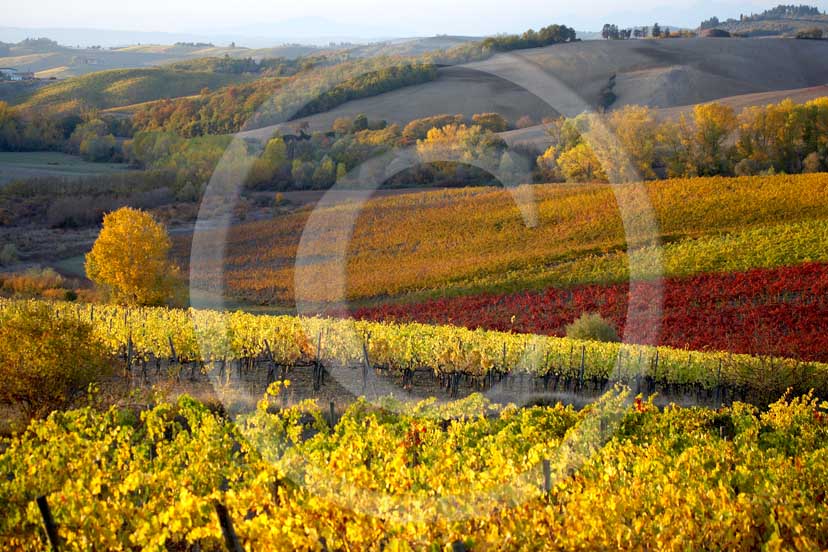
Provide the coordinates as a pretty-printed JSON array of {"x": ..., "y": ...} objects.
[{"x": 712, "y": 140}]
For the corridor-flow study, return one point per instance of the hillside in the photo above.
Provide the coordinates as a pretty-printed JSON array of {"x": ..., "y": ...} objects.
[
  {"x": 410, "y": 46},
  {"x": 121, "y": 87},
  {"x": 61, "y": 62},
  {"x": 740, "y": 102},
  {"x": 787, "y": 27},
  {"x": 656, "y": 73},
  {"x": 783, "y": 20}
]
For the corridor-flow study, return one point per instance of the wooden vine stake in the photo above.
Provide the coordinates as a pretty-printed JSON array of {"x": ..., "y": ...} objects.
[
  {"x": 231, "y": 541},
  {"x": 547, "y": 477},
  {"x": 128, "y": 368},
  {"x": 48, "y": 522},
  {"x": 174, "y": 356},
  {"x": 366, "y": 366}
]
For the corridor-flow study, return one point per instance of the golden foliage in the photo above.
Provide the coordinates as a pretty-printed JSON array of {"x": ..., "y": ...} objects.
[
  {"x": 130, "y": 259},
  {"x": 434, "y": 241},
  {"x": 46, "y": 360}
]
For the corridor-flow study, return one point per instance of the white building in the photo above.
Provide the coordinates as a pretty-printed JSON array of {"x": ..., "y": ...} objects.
[{"x": 9, "y": 73}]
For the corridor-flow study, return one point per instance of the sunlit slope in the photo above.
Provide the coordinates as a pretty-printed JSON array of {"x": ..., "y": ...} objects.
[{"x": 120, "y": 87}]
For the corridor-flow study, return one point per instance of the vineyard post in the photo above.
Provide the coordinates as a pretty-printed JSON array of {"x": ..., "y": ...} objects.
[
  {"x": 366, "y": 366},
  {"x": 547, "y": 477},
  {"x": 719, "y": 384},
  {"x": 271, "y": 369},
  {"x": 332, "y": 412},
  {"x": 174, "y": 357},
  {"x": 226, "y": 523},
  {"x": 317, "y": 379},
  {"x": 581, "y": 369},
  {"x": 638, "y": 372},
  {"x": 48, "y": 522},
  {"x": 128, "y": 367}
]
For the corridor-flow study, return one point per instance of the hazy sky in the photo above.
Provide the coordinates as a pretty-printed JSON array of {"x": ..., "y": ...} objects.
[{"x": 396, "y": 17}]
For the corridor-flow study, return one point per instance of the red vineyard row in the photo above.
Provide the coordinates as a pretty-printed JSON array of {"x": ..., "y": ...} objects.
[{"x": 780, "y": 311}]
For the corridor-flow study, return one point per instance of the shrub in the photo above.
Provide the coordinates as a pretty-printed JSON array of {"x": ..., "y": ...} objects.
[
  {"x": 810, "y": 34},
  {"x": 592, "y": 327},
  {"x": 812, "y": 163},
  {"x": 32, "y": 282},
  {"x": 749, "y": 167},
  {"x": 59, "y": 294},
  {"x": 80, "y": 211},
  {"x": 46, "y": 362},
  {"x": 8, "y": 254}
]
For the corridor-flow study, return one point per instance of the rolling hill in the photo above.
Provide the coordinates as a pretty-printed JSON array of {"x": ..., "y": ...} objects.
[
  {"x": 780, "y": 21},
  {"x": 52, "y": 60},
  {"x": 121, "y": 87},
  {"x": 656, "y": 73},
  {"x": 62, "y": 62}
]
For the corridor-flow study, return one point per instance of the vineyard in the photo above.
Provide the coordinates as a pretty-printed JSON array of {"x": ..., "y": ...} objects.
[
  {"x": 779, "y": 311},
  {"x": 470, "y": 476},
  {"x": 475, "y": 240},
  {"x": 220, "y": 344}
]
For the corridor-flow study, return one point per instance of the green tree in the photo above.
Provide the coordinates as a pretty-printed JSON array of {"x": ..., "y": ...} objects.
[{"x": 325, "y": 173}]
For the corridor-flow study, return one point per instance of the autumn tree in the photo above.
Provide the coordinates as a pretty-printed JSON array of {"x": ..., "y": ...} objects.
[
  {"x": 580, "y": 164},
  {"x": 418, "y": 128},
  {"x": 713, "y": 124},
  {"x": 461, "y": 143},
  {"x": 272, "y": 167},
  {"x": 493, "y": 122},
  {"x": 699, "y": 145},
  {"x": 547, "y": 166},
  {"x": 130, "y": 259},
  {"x": 635, "y": 129}
]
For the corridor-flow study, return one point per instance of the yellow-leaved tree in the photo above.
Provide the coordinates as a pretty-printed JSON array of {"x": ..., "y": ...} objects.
[{"x": 130, "y": 259}]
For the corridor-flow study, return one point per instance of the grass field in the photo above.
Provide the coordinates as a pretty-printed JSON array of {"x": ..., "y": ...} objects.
[{"x": 19, "y": 165}]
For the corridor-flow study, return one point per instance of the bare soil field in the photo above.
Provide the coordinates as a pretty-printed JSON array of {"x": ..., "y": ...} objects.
[
  {"x": 738, "y": 103},
  {"x": 656, "y": 73}
]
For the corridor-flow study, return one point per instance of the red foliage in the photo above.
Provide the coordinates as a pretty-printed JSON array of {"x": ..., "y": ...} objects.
[{"x": 782, "y": 311}]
